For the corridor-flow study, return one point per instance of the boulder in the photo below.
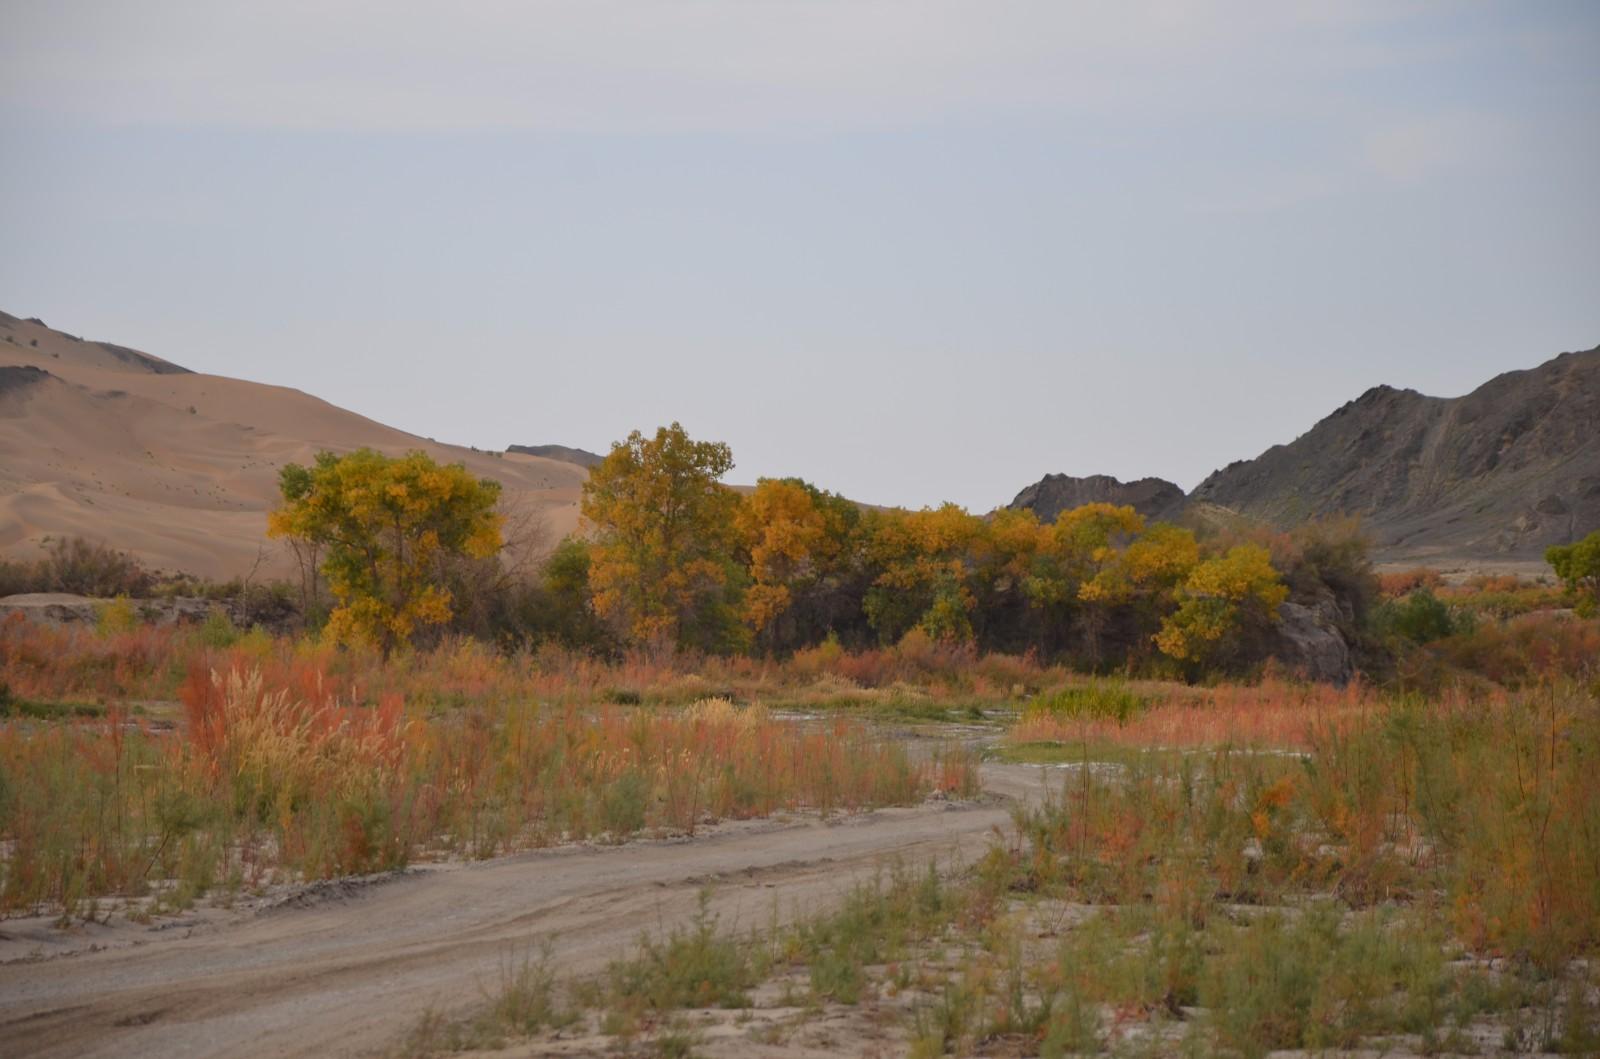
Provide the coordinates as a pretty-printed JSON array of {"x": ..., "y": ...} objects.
[{"x": 1310, "y": 644}]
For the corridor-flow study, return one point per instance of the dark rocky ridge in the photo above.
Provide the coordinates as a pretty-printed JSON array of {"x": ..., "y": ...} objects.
[
  {"x": 121, "y": 356},
  {"x": 1154, "y": 498},
  {"x": 135, "y": 359},
  {"x": 16, "y": 378},
  {"x": 1503, "y": 472},
  {"x": 581, "y": 457}
]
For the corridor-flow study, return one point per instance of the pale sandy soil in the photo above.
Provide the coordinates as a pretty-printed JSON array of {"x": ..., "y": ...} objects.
[
  {"x": 1460, "y": 571},
  {"x": 181, "y": 469},
  {"x": 349, "y": 969}
]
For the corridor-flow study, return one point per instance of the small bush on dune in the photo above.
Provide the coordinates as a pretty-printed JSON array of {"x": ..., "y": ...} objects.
[
  {"x": 76, "y": 565},
  {"x": 694, "y": 966}
]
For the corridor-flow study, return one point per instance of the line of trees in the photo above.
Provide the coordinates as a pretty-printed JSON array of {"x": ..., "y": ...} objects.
[
  {"x": 669, "y": 557},
  {"x": 677, "y": 558}
]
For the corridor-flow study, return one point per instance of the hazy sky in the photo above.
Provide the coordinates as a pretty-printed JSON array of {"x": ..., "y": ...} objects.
[{"x": 911, "y": 251}]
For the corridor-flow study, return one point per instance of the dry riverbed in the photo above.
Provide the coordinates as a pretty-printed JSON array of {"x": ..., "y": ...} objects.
[{"x": 348, "y": 968}]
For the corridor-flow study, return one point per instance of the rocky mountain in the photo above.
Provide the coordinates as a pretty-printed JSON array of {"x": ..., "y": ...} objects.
[
  {"x": 1503, "y": 472},
  {"x": 582, "y": 457},
  {"x": 1154, "y": 498}
]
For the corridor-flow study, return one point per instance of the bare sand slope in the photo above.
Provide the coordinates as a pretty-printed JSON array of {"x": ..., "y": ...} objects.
[
  {"x": 348, "y": 973},
  {"x": 180, "y": 468}
]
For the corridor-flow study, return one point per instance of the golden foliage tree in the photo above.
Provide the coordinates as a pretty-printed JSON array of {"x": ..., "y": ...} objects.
[
  {"x": 662, "y": 563},
  {"x": 1222, "y": 598},
  {"x": 386, "y": 528},
  {"x": 1074, "y": 580},
  {"x": 926, "y": 559},
  {"x": 795, "y": 535}
]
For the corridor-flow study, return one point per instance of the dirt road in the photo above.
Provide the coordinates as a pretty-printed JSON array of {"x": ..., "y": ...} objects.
[{"x": 349, "y": 969}]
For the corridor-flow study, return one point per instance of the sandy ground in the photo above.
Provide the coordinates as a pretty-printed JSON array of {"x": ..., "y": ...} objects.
[
  {"x": 346, "y": 969},
  {"x": 1461, "y": 571},
  {"x": 181, "y": 469}
]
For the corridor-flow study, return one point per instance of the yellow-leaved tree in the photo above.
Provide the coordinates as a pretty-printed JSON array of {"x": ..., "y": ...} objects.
[
  {"x": 1088, "y": 543},
  {"x": 1222, "y": 601},
  {"x": 796, "y": 536},
  {"x": 662, "y": 568},
  {"x": 926, "y": 561},
  {"x": 386, "y": 528}
]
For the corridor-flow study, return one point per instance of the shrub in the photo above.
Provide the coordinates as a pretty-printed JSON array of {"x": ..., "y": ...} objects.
[
  {"x": 689, "y": 967},
  {"x": 1095, "y": 701},
  {"x": 1312, "y": 982},
  {"x": 1420, "y": 617},
  {"x": 87, "y": 569},
  {"x": 1578, "y": 566},
  {"x": 217, "y": 630},
  {"x": 116, "y": 616}
]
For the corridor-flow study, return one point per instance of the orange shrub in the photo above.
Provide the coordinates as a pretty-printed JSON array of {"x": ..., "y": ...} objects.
[{"x": 1397, "y": 583}]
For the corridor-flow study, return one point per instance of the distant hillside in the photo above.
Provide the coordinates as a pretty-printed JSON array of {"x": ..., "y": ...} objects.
[
  {"x": 180, "y": 468},
  {"x": 1154, "y": 498},
  {"x": 1502, "y": 472},
  {"x": 582, "y": 457}
]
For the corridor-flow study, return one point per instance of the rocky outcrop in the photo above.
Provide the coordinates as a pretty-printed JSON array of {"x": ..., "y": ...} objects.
[
  {"x": 1154, "y": 498},
  {"x": 581, "y": 457},
  {"x": 16, "y": 378},
  {"x": 1309, "y": 643},
  {"x": 63, "y": 608}
]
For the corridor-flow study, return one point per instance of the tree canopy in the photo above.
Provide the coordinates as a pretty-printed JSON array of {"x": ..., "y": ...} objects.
[
  {"x": 386, "y": 528},
  {"x": 667, "y": 556},
  {"x": 1578, "y": 566},
  {"x": 662, "y": 566}
]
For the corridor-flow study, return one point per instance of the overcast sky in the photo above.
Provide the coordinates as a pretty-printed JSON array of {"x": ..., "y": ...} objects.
[{"x": 912, "y": 251}]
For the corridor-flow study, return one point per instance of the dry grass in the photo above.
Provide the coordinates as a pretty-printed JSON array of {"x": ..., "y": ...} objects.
[
  {"x": 152, "y": 663},
  {"x": 1273, "y": 714},
  {"x": 276, "y": 776}
]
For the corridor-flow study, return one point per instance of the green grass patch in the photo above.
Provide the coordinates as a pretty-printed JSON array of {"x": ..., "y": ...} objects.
[
  {"x": 1098, "y": 700},
  {"x": 49, "y": 711}
]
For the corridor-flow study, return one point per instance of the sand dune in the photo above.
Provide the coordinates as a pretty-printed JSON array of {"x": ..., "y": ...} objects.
[{"x": 180, "y": 468}]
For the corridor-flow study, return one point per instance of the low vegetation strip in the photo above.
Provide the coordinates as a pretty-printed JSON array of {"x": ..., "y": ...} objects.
[
  {"x": 1424, "y": 880},
  {"x": 271, "y": 776},
  {"x": 1273, "y": 714}
]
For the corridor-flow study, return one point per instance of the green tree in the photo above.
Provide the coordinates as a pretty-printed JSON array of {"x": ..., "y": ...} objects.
[
  {"x": 556, "y": 605},
  {"x": 926, "y": 559},
  {"x": 1578, "y": 566},
  {"x": 662, "y": 567},
  {"x": 386, "y": 528}
]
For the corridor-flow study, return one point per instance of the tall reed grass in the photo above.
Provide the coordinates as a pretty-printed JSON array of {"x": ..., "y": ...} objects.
[
  {"x": 274, "y": 775},
  {"x": 1491, "y": 807}
]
